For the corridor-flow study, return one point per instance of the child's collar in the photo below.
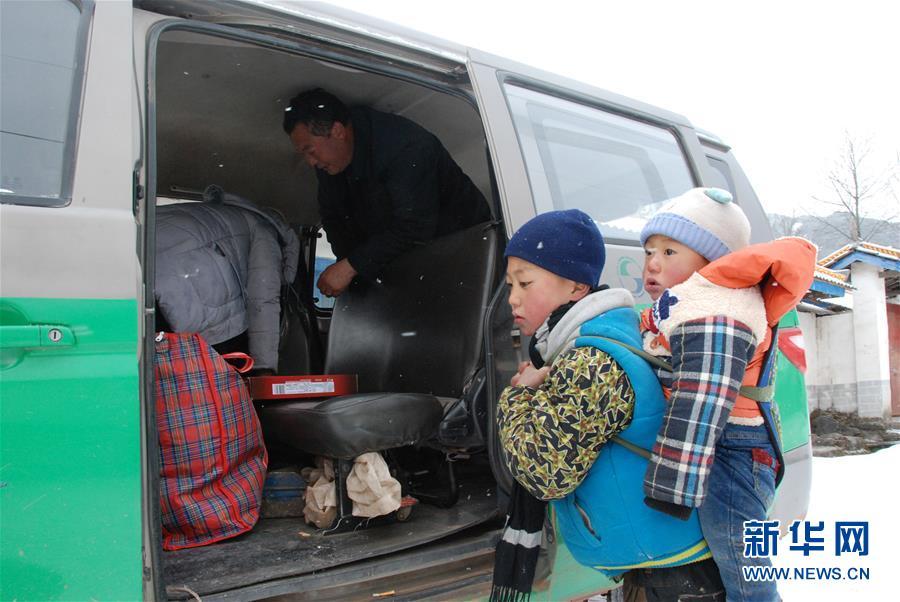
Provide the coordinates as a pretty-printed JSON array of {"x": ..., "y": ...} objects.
[{"x": 550, "y": 340}]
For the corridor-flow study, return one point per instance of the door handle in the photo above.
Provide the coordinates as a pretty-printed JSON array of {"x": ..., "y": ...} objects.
[{"x": 36, "y": 336}]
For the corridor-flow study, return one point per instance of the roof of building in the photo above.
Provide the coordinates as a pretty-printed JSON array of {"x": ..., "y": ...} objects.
[
  {"x": 827, "y": 286},
  {"x": 844, "y": 256},
  {"x": 834, "y": 277},
  {"x": 886, "y": 259}
]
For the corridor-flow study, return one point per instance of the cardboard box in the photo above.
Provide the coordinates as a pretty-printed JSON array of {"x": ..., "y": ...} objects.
[{"x": 301, "y": 387}]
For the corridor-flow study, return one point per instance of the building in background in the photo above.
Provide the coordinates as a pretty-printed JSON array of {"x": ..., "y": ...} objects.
[{"x": 851, "y": 324}]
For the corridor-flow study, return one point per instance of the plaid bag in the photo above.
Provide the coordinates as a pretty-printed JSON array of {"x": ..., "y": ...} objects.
[{"x": 211, "y": 451}]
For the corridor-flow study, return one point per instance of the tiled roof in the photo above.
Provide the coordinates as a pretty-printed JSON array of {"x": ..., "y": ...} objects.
[
  {"x": 832, "y": 277},
  {"x": 863, "y": 247}
]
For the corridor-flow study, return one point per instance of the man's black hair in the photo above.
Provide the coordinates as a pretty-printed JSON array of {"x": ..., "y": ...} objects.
[{"x": 317, "y": 110}]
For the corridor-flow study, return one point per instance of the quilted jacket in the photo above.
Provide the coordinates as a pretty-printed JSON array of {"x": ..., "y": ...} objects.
[{"x": 220, "y": 266}]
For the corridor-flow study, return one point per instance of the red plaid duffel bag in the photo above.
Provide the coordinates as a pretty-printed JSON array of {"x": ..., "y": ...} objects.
[{"x": 211, "y": 451}]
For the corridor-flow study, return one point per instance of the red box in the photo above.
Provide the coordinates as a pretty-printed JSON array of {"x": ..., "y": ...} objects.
[{"x": 299, "y": 387}]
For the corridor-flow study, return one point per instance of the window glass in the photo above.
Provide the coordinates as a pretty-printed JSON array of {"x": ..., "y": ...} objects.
[
  {"x": 324, "y": 258},
  {"x": 38, "y": 49},
  {"x": 617, "y": 170},
  {"x": 722, "y": 175}
]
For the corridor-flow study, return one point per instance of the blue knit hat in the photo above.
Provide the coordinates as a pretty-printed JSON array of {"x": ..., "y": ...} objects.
[
  {"x": 705, "y": 220},
  {"x": 567, "y": 243}
]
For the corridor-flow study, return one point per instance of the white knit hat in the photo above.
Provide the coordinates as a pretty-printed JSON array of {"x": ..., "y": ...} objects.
[{"x": 704, "y": 219}]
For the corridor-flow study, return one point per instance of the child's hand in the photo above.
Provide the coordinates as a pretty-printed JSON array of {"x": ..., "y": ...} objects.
[
  {"x": 529, "y": 376},
  {"x": 515, "y": 379}
]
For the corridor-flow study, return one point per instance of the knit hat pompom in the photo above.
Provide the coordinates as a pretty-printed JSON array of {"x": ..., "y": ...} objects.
[
  {"x": 707, "y": 220},
  {"x": 566, "y": 243}
]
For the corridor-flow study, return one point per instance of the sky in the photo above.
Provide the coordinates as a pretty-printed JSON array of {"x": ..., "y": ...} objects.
[{"x": 781, "y": 82}]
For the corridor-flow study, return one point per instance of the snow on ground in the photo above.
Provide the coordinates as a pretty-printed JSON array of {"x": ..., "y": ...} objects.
[{"x": 849, "y": 488}]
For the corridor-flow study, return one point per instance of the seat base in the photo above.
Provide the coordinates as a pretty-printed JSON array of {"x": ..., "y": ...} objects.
[{"x": 348, "y": 426}]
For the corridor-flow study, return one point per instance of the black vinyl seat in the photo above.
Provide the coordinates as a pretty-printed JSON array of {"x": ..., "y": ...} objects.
[
  {"x": 350, "y": 425},
  {"x": 414, "y": 338}
]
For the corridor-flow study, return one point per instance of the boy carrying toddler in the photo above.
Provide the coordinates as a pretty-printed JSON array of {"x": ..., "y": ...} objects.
[
  {"x": 584, "y": 387},
  {"x": 716, "y": 301}
]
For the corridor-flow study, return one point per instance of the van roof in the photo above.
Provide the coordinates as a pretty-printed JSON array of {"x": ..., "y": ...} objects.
[
  {"x": 348, "y": 20},
  {"x": 326, "y": 16},
  {"x": 351, "y": 26}
]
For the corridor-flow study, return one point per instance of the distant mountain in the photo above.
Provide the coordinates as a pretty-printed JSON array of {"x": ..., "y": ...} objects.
[{"x": 827, "y": 232}]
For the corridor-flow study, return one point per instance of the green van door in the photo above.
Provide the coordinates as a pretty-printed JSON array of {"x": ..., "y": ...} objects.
[{"x": 70, "y": 455}]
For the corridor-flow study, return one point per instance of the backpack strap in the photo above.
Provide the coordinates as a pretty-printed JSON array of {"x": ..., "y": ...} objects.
[
  {"x": 653, "y": 361},
  {"x": 763, "y": 392},
  {"x": 766, "y": 388},
  {"x": 758, "y": 394},
  {"x": 650, "y": 359},
  {"x": 641, "y": 451},
  {"x": 767, "y": 376}
]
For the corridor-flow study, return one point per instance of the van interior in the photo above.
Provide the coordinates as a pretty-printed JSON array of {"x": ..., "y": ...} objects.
[{"x": 418, "y": 339}]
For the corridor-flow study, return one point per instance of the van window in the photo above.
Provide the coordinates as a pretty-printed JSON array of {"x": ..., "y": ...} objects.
[
  {"x": 617, "y": 170},
  {"x": 40, "y": 57}
]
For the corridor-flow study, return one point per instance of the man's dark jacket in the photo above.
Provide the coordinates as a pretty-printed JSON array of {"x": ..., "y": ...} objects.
[{"x": 401, "y": 189}]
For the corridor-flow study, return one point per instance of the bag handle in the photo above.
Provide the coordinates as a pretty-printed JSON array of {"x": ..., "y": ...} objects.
[{"x": 231, "y": 358}]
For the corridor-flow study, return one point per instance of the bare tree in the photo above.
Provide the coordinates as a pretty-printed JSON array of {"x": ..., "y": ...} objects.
[
  {"x": 785, "y": 225},
  {"x": 869, "y": 199}
]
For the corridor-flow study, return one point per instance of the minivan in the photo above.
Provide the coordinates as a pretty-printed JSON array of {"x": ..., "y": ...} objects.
[{"x": 111, "y": 109}]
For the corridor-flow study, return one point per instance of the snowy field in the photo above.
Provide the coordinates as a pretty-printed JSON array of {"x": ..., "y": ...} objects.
[{"x": 849, "y": 488}]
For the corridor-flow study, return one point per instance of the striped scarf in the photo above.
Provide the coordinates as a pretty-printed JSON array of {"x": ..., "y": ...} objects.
[{"x": 517, "y": 551}]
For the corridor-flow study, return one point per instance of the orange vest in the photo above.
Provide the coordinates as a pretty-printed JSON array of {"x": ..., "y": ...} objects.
[{"x": 784, "y": 269}]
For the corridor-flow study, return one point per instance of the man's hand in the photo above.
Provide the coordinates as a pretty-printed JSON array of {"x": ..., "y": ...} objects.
[
  {"x": 529, "y": 376},
  {"x": 336, "y": 278}
]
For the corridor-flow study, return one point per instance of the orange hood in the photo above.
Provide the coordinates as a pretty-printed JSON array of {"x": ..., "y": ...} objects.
[{"x": 784, "y": 268}]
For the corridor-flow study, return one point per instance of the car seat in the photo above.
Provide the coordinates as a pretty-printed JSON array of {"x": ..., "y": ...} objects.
[{"x": 414, "y": 337}]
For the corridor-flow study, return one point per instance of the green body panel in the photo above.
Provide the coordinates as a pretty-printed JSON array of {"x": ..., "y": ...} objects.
[
  {"x": 70, "y": 497},
  {"x": 571, "y": 580},
  {"x": 790, "y": 395}
]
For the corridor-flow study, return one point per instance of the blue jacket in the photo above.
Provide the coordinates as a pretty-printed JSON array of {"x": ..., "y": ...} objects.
[{"x": 626, "y": 533}]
